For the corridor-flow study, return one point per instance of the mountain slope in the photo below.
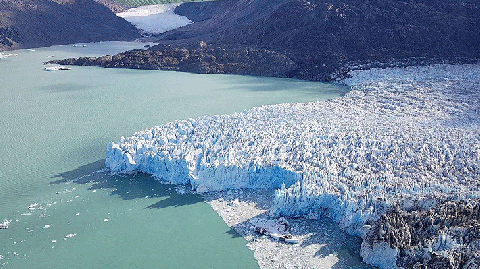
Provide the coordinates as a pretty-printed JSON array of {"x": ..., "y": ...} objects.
[
  {"x": 35, "y": 23},
  {"x": 316, "y": 33},
  {"x": 316, "y": 40}
]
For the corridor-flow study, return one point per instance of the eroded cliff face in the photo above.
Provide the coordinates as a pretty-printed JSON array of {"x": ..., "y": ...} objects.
[{"x": 36, "y": 23}]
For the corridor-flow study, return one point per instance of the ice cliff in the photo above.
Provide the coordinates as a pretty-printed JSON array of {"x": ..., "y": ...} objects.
[{"x": 402, "y": 139}]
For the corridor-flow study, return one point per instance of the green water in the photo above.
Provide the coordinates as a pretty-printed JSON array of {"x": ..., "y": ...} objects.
[{"x": 55, "y": 127}]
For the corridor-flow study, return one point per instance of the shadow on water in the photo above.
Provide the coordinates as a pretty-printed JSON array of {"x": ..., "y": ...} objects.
[
  {"x": 285, "y": 84},
  {"x": 127, "y": 187},
  {"x": 65, "y": 87},
  {"x": 233, "y": 233}
]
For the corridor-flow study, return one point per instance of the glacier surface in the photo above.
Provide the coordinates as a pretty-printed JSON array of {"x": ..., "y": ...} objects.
[{"x": 402, "y": 137}]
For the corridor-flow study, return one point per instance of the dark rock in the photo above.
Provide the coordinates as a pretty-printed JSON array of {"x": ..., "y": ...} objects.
[{"x": 198, "y": 59}]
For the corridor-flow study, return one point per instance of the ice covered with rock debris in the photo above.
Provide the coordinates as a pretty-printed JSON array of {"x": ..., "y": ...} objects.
[{"x": 401, "y": 137}]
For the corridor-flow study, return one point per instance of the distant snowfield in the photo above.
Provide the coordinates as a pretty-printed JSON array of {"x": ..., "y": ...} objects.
[
  {"x": 402, "y": 137},
  {"x": 155, "y": 19}
]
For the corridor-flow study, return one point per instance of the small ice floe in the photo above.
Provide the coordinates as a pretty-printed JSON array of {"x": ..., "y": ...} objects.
[
  {"x": 70, "y": 235},
  {"x": 106, "y": 219},
  {"x": 77, "y": 214},
  {"x": 4, "y": 56},
  {"x": 276, "y": 229},
  {"x": 5, "y": 224},
  {"x": 46, "y": 226},
  {"x": 57, "y": 68}
]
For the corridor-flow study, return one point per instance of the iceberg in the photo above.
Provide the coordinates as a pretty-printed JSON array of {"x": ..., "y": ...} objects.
[{"x": 401, "y": 139}]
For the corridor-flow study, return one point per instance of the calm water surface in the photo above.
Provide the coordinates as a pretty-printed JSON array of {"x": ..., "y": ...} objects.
[{"x": 55, "y": 127}]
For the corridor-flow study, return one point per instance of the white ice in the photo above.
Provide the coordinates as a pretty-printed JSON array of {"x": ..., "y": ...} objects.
[{"x": 155, "y": 19}]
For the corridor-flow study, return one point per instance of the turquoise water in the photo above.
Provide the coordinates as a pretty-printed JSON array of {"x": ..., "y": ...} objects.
[{"x": 54, "y": 130}]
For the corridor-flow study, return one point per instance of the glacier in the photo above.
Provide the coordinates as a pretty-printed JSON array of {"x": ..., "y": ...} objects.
[
  {"x": 401, "y": 138},
  {"x": 155, "y": 19}
]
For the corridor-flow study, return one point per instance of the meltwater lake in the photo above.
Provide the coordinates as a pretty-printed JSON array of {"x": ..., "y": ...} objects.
[{"x": 66, "y": 211}]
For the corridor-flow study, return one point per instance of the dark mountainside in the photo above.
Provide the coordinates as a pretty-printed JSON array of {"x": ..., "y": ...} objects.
[
  {"x": 311, "y": 40},
  {"x": 37, "y": 23}
]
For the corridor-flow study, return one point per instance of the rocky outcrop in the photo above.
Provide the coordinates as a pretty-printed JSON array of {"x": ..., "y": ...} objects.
[
  {"x": 37, "y": 23},
  {"x": 202, "y": 59}
]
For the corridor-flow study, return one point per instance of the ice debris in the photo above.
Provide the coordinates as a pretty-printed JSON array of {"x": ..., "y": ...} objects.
[
  {"x": 70, "y": 235},
  {"x": 5, "y": 224}
]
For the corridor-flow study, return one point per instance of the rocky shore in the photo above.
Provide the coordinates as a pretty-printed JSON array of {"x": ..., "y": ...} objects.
[{"x": 202, "y": 59}]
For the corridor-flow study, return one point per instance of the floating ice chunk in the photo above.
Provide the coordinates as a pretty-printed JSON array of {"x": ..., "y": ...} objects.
[
  {"x": 70, "y": 235},
  {"x": 46, "y": 226},
  {"x": 5, "y": 224}
]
